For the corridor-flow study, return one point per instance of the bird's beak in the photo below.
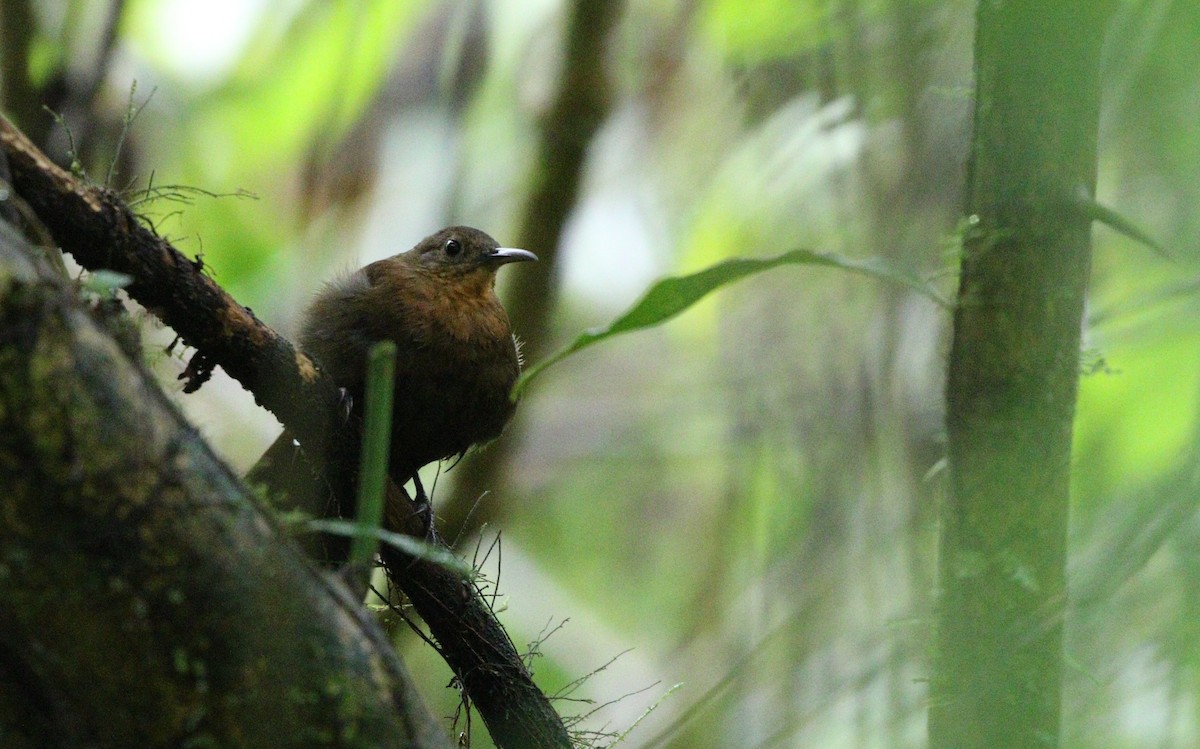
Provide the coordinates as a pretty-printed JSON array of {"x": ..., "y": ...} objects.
[{"x": 502, "y": 255}]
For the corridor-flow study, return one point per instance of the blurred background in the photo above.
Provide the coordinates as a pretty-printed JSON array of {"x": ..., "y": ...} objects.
[{"x": 743, "y": 501}]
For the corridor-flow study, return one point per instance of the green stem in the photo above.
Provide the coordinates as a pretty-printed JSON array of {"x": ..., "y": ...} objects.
[{"x": 381, "y": 373}]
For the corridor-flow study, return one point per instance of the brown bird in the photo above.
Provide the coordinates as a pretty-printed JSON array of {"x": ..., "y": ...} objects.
[{"x": 456, "y": 361}]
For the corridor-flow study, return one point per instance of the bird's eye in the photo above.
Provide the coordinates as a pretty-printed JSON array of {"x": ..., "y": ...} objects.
[{"x": 453, "y": 248}]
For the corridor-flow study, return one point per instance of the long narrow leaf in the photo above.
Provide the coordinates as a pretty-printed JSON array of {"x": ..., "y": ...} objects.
[
  {"x": 1120, "y": 224},
  {"x": 670, "y": 296},
  {"x": 414, "y": 547},
  {"x": 381, "y": 373}
]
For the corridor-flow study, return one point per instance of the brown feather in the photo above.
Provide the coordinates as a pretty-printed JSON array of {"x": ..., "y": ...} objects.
[{"x": 456, "y": 359}]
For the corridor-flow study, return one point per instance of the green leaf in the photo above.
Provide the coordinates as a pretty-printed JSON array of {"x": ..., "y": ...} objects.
[
  {"x": 673, "y": 295},
  {"x": 1120, "y": 224},
  {"x": 103, "y": 281}
]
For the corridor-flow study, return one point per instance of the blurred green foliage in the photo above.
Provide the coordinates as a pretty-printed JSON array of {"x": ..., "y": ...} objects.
[
  {"x": 745, "y": 496},
  {"x": 755, "y": 32}
]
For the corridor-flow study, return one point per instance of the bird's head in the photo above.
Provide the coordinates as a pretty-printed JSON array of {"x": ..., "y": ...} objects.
[{"x": 460, "y": 251}]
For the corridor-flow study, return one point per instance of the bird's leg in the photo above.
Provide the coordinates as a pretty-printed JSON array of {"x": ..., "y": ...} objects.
[
  {"x": 421, "y": 498},
  {"x": 423, "y": 507}
]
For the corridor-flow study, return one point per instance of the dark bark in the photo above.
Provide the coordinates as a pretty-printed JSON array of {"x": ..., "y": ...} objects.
[
  {"x": 476, "y": 647},
  {"x": 1013, "y": 375},
  {"x": 145, "y": 598},
  {"x": 460, "y": 621},
  {"x": 101, "y": 232}
]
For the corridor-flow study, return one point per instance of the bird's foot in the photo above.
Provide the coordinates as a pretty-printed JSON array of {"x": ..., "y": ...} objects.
[{"x": 424, "y": 508}]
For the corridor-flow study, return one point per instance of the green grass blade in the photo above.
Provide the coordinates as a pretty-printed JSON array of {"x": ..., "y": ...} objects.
[
  {"x": 414, "y": 547},
  {"x": 377, "y": 433}
]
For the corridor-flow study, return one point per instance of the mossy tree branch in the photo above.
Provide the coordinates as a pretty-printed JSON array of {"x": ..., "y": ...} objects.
[
  {"x": 102, "y": 233},
  {"x": 137, "y": 575}
]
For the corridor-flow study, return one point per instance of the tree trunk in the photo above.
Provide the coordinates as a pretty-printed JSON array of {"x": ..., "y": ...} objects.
[
  {"x": 1013, "y": 375},
  {"x": 145, "y": 599}
]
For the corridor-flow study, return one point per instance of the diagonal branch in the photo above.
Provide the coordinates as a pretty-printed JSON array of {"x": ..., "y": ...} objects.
[{"x": 101, "y": 232}]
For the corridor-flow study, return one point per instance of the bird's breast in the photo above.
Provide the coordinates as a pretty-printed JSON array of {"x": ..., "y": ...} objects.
[{"x": 470, "y": 319}]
